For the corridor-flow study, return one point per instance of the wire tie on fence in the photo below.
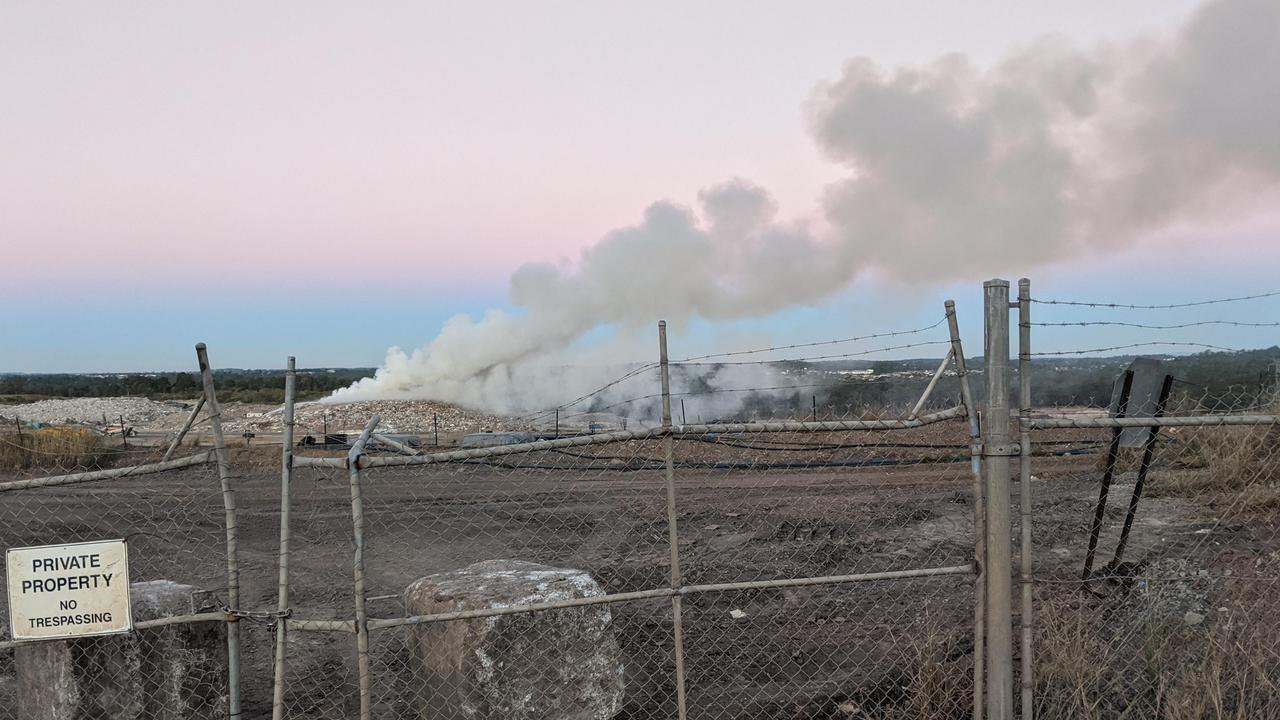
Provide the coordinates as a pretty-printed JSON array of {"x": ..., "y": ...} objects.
[{"x": 269, "y": 617}]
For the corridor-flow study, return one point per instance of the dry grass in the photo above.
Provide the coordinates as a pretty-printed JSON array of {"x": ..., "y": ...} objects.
[
  {"x": 939, "y": 684},
  {"x": 1232, "y": 467},
  {"x": 1139, "y": 657},
  {"x": 61, "y": 448},
  {"x": 1138, "y": 653}
]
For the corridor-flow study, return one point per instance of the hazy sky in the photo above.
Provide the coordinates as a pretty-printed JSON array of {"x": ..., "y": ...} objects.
[{"x": 329, "y": 179}]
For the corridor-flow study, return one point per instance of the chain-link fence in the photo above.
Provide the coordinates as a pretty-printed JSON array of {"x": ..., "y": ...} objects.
[
  {"x": 873, "y": 560},
  {"x": 776, "y": 569},
  {"x": 1155, "y": 509},
  {"x": 818, "y": 568},
  {"x": 194, "y": 562}
]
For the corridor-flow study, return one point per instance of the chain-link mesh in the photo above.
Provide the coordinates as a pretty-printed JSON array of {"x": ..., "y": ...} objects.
[
  {"x": 1157, "y": 559},
  {"x": 600, "y": 510},
  {"x": 758, "y": 506},
  {"x": 173, "y": 523},
  {"x": 1183, "y": 623},
  {"x": 780, "y": 537}
]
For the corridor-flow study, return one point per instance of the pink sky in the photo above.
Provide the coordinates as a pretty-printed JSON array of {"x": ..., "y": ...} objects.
[{"x": 435, "y": 142}]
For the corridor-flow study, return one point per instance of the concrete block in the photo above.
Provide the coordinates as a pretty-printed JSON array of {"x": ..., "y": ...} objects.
[
  {"x": 561, "y": 664},
  {"x": 175, "y": 672}
]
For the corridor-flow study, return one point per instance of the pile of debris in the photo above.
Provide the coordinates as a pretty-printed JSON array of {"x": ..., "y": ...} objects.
[
  {"x": 91, "y": 411},
  {"x": 398, "y": 416}
]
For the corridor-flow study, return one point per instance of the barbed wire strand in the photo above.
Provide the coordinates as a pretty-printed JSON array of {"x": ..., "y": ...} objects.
[
  {"x": 1205, "y": 346},
  {"x": 700, "y": 393},
  {"x": 818, "y": 357},
  {"x": 1232, "y": 323},
  {"x": 694, "y": 393},
  {"x": 1170, "y": 306},
  {"x": 818, "y": 343},
  {"x": 539, "y": 414}
]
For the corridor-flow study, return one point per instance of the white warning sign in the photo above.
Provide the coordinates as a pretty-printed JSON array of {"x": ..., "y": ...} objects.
[{"x": 58, "y": 591}]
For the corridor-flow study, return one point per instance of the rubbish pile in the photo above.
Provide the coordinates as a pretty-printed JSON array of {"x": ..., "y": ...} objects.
[
  {"x": 91, "y": 411},
  {"x": 398, "y": 416}
]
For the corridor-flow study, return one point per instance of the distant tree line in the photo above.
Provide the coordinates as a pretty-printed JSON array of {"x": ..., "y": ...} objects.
[
  {"x": 1214, "y": 378},
  {"x": 258, "y": 386}
]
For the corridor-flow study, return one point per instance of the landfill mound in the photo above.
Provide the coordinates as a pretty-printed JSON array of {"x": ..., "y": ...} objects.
[
  {"x": 107, "y": 410},
  {"x": 398, "y": 416}
]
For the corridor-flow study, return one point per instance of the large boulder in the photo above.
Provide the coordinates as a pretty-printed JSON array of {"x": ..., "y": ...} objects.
[
  {"x": 172, "y": 672},
  {"x": 561, "y": 664}
]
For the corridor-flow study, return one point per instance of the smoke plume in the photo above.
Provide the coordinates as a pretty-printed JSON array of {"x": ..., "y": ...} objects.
[{"x": 955, "y": 171}]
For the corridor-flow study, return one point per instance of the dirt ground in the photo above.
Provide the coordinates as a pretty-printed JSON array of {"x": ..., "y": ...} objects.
[{"x": 748, "y": 508}]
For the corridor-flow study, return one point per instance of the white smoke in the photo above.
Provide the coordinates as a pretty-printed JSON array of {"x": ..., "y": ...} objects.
[
  {"x": 956, "y": 172},
  {"x": 676, "y": 264},
  {"x": 1056, "y": 149}
]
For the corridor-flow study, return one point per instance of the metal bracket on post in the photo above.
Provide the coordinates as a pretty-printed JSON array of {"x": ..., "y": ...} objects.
[{"x": 1005, "y": 449}]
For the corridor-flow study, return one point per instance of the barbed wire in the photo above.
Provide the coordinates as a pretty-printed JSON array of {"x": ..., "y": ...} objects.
[
  {"x": 539, "y": 414},
  {"x": 651, "y": 464},
  {"x": 819, "y": 357},
  {"x": 1155, "y": 327},
  {"x": 693, "y": 393},
  {"x": 775, "y": 348},
  {"x": 1136, "y": 345},
  {"x": 534, "y": 417},
  {"x": 1171, "y": 306},
  {"x": 698, "y": 393}
]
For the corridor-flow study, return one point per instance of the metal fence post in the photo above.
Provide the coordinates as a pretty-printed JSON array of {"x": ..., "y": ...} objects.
[
  {"x": 357, "y": 565},
  {"x": 673, "y": 535},
  {"x": 1024, "y": 468},
  {"x": 979, "y": 510},
  {"x": 996, "y": 450},
  {"x": 229, "y": 508},
  {"x": 286, "y": 480},
  {"x": 186, "y": 427}
]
